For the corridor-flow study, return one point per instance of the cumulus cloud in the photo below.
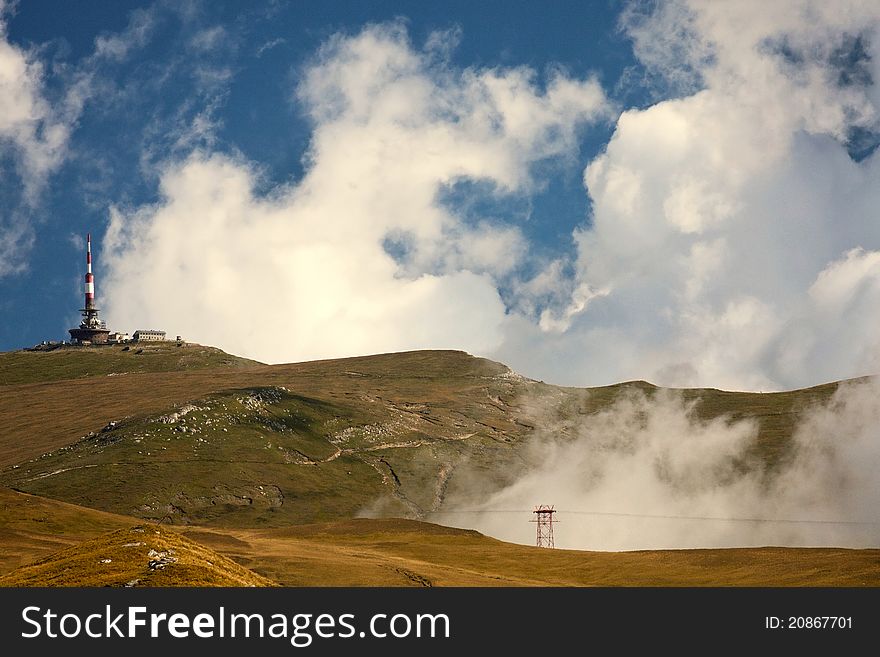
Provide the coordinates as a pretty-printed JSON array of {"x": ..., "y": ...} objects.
[
  {"x": 359, "y": 255},
  {"x": 726, "y": 217},
  {"x": 734, "y": 224},
  {"x": 648, "y": 473}
]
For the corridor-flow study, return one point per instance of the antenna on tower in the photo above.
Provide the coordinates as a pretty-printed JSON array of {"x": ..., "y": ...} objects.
[
  {"x": 544, "y": 519},
  {"x": 92, "y": 329}
]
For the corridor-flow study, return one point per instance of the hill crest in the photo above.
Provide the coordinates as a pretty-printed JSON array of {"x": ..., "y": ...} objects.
[{"x": 139, "y": 556}]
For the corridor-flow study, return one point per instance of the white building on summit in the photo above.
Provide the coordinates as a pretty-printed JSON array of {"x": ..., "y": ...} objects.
[{"x": 142, "y": 335}]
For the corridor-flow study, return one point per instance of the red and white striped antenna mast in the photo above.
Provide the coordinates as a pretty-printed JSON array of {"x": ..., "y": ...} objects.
[
  {"x": 90, "y": 277},
  {"x": 91, "y": 330}
]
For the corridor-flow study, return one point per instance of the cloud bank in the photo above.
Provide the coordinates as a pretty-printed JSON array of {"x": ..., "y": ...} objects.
[
  {"x": 734, "y": 229},
  {"x": 732, "y": 240},
  {"x": 359, "y": 256},
  {"x": 648, "y": 473}
]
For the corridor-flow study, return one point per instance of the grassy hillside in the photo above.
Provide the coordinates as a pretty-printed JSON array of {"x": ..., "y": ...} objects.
[
  {"x": 275, "y": 445},
  {"x": 61, "y": 544},
  {"x": 143, "y": 555},
  {"x": 75, "y": 362},
  {"x": 393, "y": 552},
  {"x": 267, "y": 465},
  {"x": 272, "y": 455},
  {"x": 38, "y": 418},
  {"x": 32, "y": 527}
]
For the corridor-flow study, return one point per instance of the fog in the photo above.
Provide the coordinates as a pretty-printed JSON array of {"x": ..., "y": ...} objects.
[{"x": 647, "y": 473}]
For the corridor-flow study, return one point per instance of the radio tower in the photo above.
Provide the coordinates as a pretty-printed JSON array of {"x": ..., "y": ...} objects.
[
  {"x": 544, "y": 519},
  {"x": 91, "y": 329}
]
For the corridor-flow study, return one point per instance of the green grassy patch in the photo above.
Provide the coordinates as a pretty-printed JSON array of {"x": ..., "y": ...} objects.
[{"x": 75, "y": 362}]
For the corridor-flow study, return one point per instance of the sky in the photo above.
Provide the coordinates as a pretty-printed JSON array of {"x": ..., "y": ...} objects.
[{"x": 680, "y": 191}]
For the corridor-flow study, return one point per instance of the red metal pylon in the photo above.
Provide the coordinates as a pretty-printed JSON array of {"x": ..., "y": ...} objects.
[{"x": 544, "y": 519}]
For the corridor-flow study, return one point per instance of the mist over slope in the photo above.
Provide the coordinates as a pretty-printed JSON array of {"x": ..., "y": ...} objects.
[
  {"x": 368, "y": 552},
  {"x": 648, "y": 471},
  {"x": 444, "y": 436}
]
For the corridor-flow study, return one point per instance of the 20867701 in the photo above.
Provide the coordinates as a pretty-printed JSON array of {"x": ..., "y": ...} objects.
[{"x": 808, "y": 622}]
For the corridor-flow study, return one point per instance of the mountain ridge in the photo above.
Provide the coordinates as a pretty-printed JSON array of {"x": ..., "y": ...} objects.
[
  {"x": 266, "y": 464},
  {"x": 312, "y": 441}
]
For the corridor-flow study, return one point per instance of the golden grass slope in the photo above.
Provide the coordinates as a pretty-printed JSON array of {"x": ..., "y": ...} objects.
[
  {"x": 32, "y": 527},
  {"x": 70, "y": 544},
  {"x": 351, "y": 430},
  {"x": 395, "y": 552},
  {"x": 143, "y": 556}
]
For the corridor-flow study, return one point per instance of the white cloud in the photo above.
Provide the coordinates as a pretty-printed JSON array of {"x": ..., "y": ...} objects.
[
  {"x": 649, "y": 473},
  {"x": 303, "y": 272},
  {"x": 269, "y": 45},
  {"x": 117, "y": 46},
  {"x": 834, "y": 329},
  {"x": 16, "y": 238},
  {"x": 27, "y": 123},
  {"x": 838, "y": 283},
  {"x": 34, "y": 139},
  {"x": 582, "y": 295},
  {"x": 36, "y": 125},
  {"x": 725, "y": 219},
  {"x": 210, "y": 38}
]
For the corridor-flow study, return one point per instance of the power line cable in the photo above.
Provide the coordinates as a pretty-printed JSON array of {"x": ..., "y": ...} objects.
[{"x": 671, "y": 517}]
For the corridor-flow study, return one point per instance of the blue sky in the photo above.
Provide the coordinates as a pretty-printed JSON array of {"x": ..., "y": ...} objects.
[
  {"x": 264, "y": 47},
  {"x": 588, "y": 191}
]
